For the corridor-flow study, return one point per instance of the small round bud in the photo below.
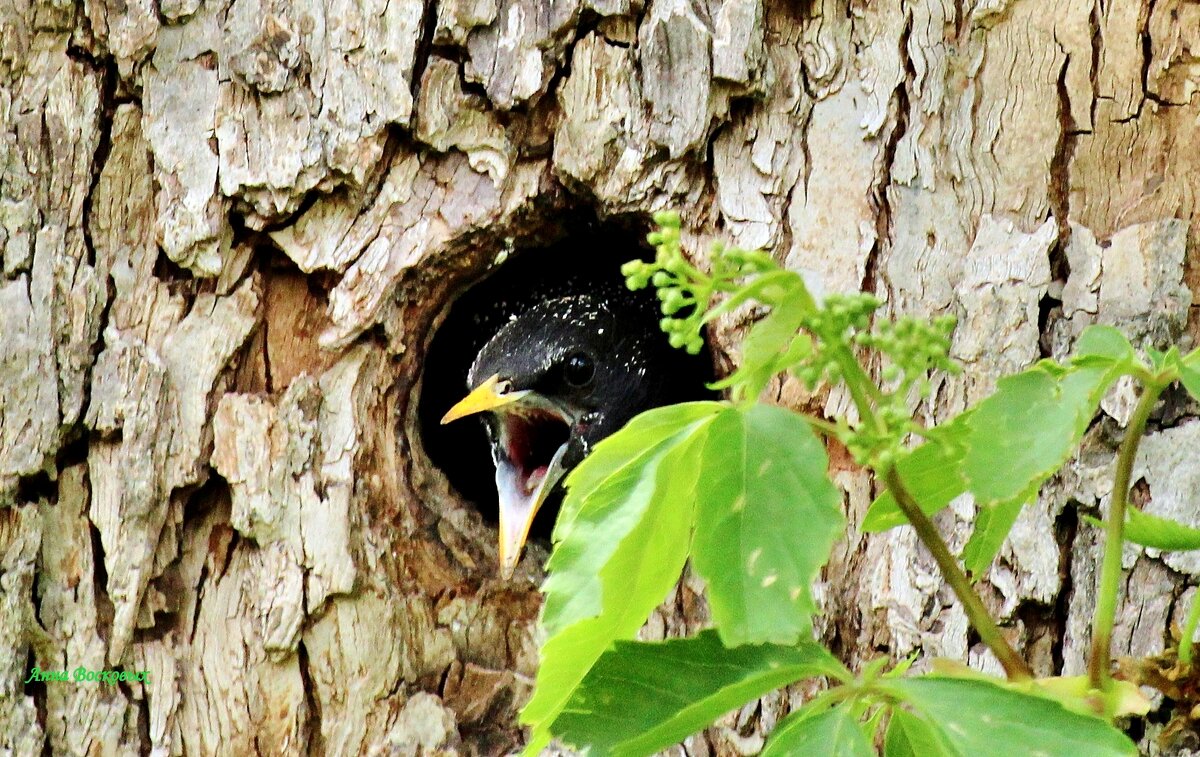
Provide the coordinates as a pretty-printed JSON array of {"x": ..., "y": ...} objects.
[
  {"x": 667, "y": 218},
  {"x": 674, "y": 299}
]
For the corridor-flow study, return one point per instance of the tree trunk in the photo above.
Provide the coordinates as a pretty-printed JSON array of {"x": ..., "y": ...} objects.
[{"x": 230, "y": 227}]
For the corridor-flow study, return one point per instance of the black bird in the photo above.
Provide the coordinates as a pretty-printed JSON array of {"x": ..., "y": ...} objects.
[{"x": 557, "y": 379}]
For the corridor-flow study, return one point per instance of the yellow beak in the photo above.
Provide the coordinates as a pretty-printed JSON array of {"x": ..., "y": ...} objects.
[{"x": 487, "y": 396}]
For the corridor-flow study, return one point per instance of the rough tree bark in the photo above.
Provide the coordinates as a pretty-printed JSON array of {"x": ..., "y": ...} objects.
[{"x": 229, "y": 228}]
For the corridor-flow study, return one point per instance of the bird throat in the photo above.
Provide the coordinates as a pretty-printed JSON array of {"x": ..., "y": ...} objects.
[{"x": 530, "y": 439}]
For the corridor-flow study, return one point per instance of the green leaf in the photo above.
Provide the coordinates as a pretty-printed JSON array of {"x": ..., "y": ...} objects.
[
  {"x": 834, "y": 733},
  {"x": 608, "y": 496},
  {"x": 1189, "y": 373},
  {"x": 910, "y": 736},
  {"x": 1075, "y": 693},
  {"x": 622, "y": 545},
  {"x": 1159, "y": 533},
  {"x": 1106, "y": 343},
  {"x": 773, "y": 344},
  {"x": 766, "y": 519},
  {"x": 1155, "y": 532},
  {"x": 1022, "y": 434},
  {"x": 778, "y": 287},
  {"x": 979, "y": 717},
  {"x": 932, "y": 473},
  {"x": 992, "y": 524},
  {"x": 680, "y": 687},
  {"x": 1158, "y": 359}
]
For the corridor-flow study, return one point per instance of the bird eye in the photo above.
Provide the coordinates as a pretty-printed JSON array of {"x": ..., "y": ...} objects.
[{"x": 579, "y": 369}]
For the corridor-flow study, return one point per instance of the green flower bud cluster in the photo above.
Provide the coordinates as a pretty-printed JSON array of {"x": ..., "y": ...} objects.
[
  {"x": 914, "y": 348},
  {"x": 870, "y": 447},
  {"x": 842, "y": 315},
  {"x": 668, "y": 258},
  {"x": 881, "y": 447},
  {"x": 836, "y": 325},
  {"x": 684, "y": 291}
]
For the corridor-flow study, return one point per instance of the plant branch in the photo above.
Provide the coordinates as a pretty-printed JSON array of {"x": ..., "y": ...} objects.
[
  {"x": 862, "y": 389},
  {"x": 1189, "y": 630},
  {"x": 1014, "y": 667},
  {"x": 1099, "y": 661}
]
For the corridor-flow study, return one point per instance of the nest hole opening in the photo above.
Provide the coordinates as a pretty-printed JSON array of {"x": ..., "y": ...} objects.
[{"x": 585, "y": 258}]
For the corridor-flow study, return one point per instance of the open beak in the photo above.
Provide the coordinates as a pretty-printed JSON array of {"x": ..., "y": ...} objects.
[
  {"x": 528, "y": 451},
  {"x": 519, "y": 503}
]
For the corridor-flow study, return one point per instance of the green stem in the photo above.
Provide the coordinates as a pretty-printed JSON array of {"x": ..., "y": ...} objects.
[
  {"x": 1099, "y": 661},
  {"x": 981, "y": 620},
  {"x": 821, "y": 425},
  {"x": 862, "y": 389},
  {"x": 1189, "y": 630}
]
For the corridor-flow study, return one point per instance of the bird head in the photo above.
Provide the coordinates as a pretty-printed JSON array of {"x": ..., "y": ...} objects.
[{"x": 551, "y": 383}]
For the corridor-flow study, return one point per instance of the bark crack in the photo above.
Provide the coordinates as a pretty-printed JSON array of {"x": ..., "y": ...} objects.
[
  {"x": 316, "y": 742},
  {"x": 1066, "y": 527},
  {"x": 425, "y": 48},
  {"x": 883, "y": 217},
  {"x": 1060, "y": 172}
]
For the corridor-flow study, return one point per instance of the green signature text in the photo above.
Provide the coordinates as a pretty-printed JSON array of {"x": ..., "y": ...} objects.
[{"x": 81, "y": 674}]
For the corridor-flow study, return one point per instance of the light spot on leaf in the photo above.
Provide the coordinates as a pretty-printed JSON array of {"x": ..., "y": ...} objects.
[{"x": 753, "y": 560}]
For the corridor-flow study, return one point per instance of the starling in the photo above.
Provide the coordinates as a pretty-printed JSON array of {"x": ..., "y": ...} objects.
[{"x": 555, "y": 380}]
